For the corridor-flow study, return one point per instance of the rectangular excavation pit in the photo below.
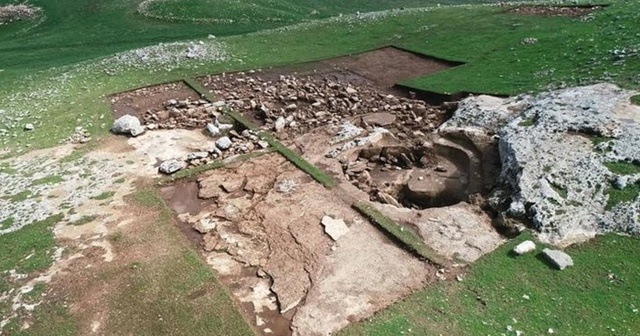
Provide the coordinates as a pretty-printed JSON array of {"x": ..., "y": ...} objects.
[
  {"x": 281, "y": 267},
  {"x": 267, "y": 241}
]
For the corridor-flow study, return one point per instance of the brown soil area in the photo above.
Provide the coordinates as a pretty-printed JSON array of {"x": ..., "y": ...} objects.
[
  {"x": 387, "y": 67},
  {"x": 569, "y": 11},
  {"x": 269, "y": 248},
  {"x": 153, "y": 98}
]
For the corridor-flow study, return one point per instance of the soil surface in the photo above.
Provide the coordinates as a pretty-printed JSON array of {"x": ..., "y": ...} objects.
[
  {"x": 139, "y": 102},
  {"x": 389, "y": 66},
  {"x": 262, "y": 233}
]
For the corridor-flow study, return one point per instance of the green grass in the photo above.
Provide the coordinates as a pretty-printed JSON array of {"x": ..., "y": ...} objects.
[
  {"x": 20, "y": 196},
  {"x": 635, "y": 100},
  {"x": 617, "y": 196},
  {"x": 623, "y": 168},
  {"x": 175, "y": 294},
  {"x": 75, "y": 155},
  {"x": 35, "y": 239},
  {"x": 563, "y": 192},
  {"x": 485, "y": 37},
  {"x": 5, "y": 169},
  {"x": 7, "y": 223},
  {"x": 103, "y": 196},
  {"x": 84, "y": 220},
  {"x": 527, "y": 122},
  {"x": 53, "y": 179},
  {"x": 50, "y": 318},
  {"x": 407, "y": 238},
  {"x": 596, "y": 296}
]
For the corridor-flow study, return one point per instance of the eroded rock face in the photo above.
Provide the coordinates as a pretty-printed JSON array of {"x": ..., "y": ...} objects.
[{"x": 555, "y": 149}]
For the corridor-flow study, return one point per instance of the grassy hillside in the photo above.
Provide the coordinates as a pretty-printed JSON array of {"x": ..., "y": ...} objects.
[
  {"x": 568, "y": 51},
  {"x": 76, "y": 30}
]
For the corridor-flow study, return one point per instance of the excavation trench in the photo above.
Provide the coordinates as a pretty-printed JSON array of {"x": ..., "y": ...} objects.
[{"x": 297, "y": 258}]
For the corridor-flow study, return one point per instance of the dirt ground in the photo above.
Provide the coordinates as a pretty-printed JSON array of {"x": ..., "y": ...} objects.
[
  {"x": 270, "y": 249},
  {"x": 389, "y": 66},
  {"x": 139, "y": 102}
]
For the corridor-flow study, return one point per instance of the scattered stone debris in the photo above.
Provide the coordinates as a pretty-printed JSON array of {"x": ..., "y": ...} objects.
[
  {"x": 524, "y": 247},
  {"x": 295, "y": 104},
  {"x": 335, "y": 228},
  {"x": 529, "y": 41},
  {"x": 79, "y": 136},
  {"x": 549, "y": 10},
  {"x": 171, "y": 166},
  {"x": 187, "y": 113},
  {"x": 558, "y": 259},
  {"x": 18, "y": 12},
  {"x": 127, "y": 124}
]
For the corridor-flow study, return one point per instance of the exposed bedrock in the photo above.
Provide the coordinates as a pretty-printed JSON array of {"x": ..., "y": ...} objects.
[{"x": 569, "y": 158}]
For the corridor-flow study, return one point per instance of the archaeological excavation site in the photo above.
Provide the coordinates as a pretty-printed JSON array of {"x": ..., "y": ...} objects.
[{"x": 321, "y": 193}]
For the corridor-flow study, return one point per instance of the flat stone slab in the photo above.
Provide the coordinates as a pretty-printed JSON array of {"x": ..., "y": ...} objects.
[
  {"x": 524, "y": 247},
  {"x": 335, "y": 228},
  {"x": 379, "y": 119},
  {"x": 558, "y": 259}
]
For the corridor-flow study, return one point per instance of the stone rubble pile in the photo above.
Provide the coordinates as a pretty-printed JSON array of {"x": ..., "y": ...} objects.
[
  {"x": 295, "y": 105},
  {"x": 226, "y": 146},
  {"x": 79, "y": 136}
]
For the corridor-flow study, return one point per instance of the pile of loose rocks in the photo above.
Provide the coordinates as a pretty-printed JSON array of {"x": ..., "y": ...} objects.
[
  {"x": 229, "y": 141},
  {"x": 294, "y": 105},
  {"x": 229, "y": 144},
  {"x": 186, "y": 113},
  {"x": 79, "y": 136}
]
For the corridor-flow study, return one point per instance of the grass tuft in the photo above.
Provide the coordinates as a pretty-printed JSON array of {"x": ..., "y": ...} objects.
[
  {"x": 103, "y": 196},
  {"x": 623, "y": 168},
  {"x": 53, "y": 179},
  {"x": 618, "y": 196},
  {"x": 84, "y": 220}
]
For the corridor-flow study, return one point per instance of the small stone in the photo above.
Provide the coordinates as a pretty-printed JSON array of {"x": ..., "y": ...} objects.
[
  {"x": 197, "y": 155},
  {"x": 225, "y": 127},
  {"x": 263, "y": 144},
  {"x": 558, "y": 259},
  {"x": 28, "y": 127},
  {"x": 379, "y": 119},
  {"x": 224, "y": 143},
  {"x": 279, "y": 125},
  {"x": 213, "y": 129},
  {"x": 205, "y": 225},
  {"x": 388, "y": 199},
  {"x": 171, "y": 166},
  {"x": 335, "y": 228},
  {"x": 524, "y": 247}
]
